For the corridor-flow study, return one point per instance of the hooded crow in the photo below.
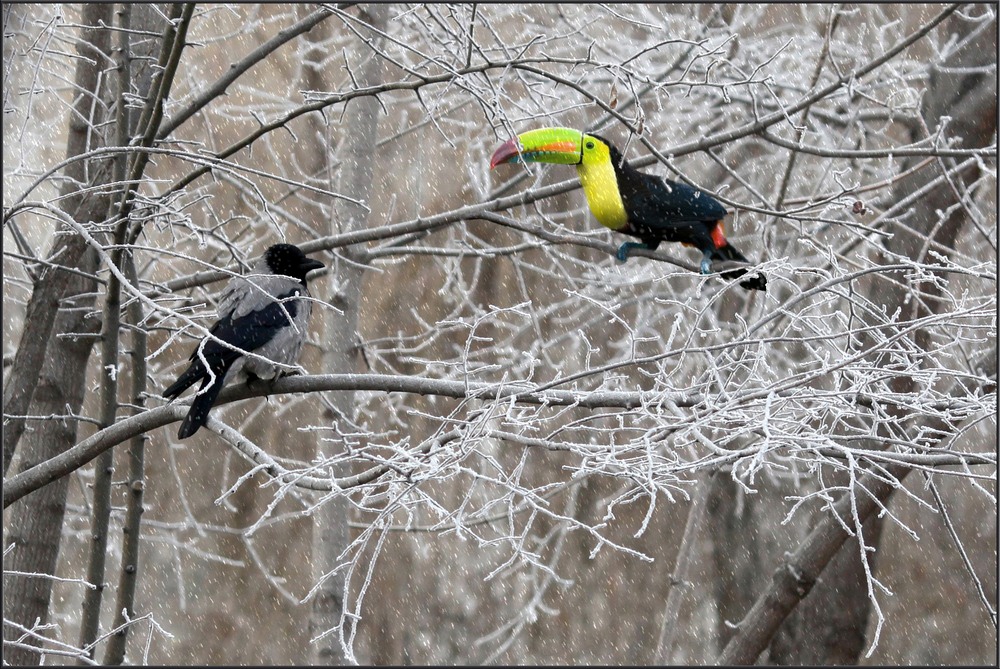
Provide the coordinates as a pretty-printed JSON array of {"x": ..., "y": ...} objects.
[{"x": 262, "y": 313}]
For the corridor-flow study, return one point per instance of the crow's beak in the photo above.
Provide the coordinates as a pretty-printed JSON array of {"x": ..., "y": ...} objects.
[{"x": 309, "y": 265}]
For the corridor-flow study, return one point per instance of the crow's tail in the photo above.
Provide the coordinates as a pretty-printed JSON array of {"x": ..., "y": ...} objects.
[
  {"x": 198, "y": 415},
  {"x": 729, "y": 252},
  {"x": 194, "y": 373}
]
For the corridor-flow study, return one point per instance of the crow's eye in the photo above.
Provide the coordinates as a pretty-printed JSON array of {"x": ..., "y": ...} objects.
[{"x": 590, "y": 145}]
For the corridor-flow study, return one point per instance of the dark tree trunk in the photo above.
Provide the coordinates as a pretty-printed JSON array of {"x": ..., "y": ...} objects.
[
  {"x": 829, "y": 625},
  {"x": 94, "y": 49},
  {"x": 50, "y": 371},
  {"x": 36, "y": 521}
]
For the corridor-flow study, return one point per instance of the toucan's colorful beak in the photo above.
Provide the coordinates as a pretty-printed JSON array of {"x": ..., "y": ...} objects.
[{"x": 563, "y": 146}]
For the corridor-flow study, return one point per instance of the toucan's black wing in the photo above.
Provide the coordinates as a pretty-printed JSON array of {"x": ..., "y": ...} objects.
[
  {"x": 660, "y": 203},
  {"x": 662, "y": 210}
]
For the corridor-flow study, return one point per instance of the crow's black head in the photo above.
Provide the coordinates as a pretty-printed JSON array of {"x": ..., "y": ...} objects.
[{"x": 289, "y": 260}]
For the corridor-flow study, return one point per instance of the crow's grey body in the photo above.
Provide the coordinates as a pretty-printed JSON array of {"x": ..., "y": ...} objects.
[
  {"x": 253, "y": 293},
  {"x": 265, "y": 314}
]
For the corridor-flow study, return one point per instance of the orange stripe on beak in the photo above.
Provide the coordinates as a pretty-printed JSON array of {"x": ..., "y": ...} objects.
[{"x": 557, "y": 147}]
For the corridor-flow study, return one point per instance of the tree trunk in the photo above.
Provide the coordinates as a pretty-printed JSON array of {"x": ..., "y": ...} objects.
[
  {"x": 829, "y": 626},
  {"x": 52, "y": 286},
  {"x": 50, "y": 371},
  {"x": 330, "y": 530},
  {"x": 35, "y": 525}
]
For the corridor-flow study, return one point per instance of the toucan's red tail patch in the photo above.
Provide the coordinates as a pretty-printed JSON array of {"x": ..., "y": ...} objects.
[{"x": 719, "y": 235}]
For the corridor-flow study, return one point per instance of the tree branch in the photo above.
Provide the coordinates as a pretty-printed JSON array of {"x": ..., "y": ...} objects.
[
  {"x": 237, "y": 69},
  {"x": 797, "y": 575},
  {"x": 88, "y": 449}
]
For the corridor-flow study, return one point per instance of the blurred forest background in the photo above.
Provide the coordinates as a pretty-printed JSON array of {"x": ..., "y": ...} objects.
[{"x": 541, "y": 455}]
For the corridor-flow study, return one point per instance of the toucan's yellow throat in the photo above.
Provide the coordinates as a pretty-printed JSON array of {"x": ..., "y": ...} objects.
[{"x": 565, "y": 146}]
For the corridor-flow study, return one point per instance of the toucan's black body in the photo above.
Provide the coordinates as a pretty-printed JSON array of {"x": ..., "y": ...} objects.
[{"x": 661, "y": 210}]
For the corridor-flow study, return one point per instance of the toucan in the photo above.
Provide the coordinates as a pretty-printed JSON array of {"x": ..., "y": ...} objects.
[{"x": 626, "y": 200}]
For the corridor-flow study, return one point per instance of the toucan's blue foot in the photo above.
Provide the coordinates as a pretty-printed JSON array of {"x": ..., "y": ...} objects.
[
  {"x": 625, "y": 249},
  {"x": 706, "y": 263}
]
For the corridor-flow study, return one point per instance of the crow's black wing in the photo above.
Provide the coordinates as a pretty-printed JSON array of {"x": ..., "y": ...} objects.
[
  {"x": 253, "y": 330},
  {"x": 246, "y": 333}
]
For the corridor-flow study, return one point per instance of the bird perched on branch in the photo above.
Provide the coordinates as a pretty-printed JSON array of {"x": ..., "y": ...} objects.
[
  {"x": 264, "y": 314},
  {"x": 626, "y": 200}
]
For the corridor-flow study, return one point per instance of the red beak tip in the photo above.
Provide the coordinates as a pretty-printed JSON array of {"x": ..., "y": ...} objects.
[{"x": 504, "y": 153}]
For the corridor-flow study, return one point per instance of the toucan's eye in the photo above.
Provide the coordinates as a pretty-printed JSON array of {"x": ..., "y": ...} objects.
[{"x": 590, "y": 145}]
